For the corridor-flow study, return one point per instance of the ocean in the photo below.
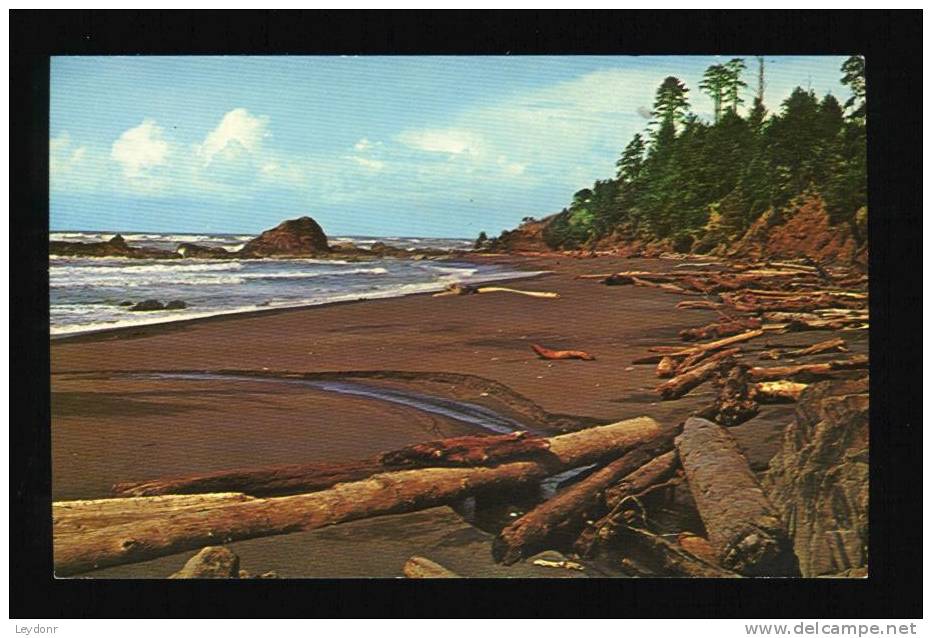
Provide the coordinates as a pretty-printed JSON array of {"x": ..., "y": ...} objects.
[{"x": 86, "y": 293}]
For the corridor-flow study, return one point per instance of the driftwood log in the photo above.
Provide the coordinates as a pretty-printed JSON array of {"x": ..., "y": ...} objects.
[
  {"x": 829, "y": 345},
  {"x": 702, "y": 348},
  {"x": 778, "y": 391},
  {"x": 652, "y": 473},
  {"x": 295, "y": 479},
  {"x": 720, "y": 329},
  {"x": 736, "y": 401},
  {"x": 668, "y": 558},
  {"x": 567, "y": 512},
  {"x": 857, "y": 362},
  {"x": 742, "y": 525},
  {"x": 682, "y": 383},
  {"x": 457, "y": 289},
  {"x": 547, "y": 353},
  {"x": 100, "y": 543}
]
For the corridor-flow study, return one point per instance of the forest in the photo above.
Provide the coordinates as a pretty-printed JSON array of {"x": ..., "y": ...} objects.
[{"x": 698, "y": 184}]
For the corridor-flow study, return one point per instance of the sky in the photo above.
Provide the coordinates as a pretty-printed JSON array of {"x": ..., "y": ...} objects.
[{"x": 423, "y": 146}]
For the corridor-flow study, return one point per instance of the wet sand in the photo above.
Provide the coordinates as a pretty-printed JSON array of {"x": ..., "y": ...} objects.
[{"x": 110, "y": 426}]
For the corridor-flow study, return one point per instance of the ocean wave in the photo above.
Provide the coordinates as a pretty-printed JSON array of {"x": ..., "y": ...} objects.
[
  {"x": 109, "y": 317},
  {"x": 129, "y": 269},
  {"x": 120, "y": 282}
]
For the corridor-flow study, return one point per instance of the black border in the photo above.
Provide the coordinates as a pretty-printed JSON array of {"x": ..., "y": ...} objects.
[{"x": 890, "y": 40}]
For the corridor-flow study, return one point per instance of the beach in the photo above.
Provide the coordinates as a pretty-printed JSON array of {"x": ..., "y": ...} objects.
[{"x": 133, "y": 404}]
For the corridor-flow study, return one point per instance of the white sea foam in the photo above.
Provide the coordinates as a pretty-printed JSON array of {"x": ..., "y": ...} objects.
[{"x": 89, "y": 293}]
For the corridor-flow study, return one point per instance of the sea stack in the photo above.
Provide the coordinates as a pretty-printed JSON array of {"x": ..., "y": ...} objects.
[{"x": 302, "y": 237}]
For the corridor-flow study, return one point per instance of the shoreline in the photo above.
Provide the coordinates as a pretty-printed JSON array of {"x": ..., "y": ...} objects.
[{"x": 94, "y": 334}]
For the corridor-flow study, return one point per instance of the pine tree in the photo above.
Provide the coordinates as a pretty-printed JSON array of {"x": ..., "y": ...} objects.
[
  {"x": 734, "y": 68},
  {"x": 854, "y": 78},
  {"x": 714, "y": 83},
  {"x": 629, "y": 165},
  {"x": 670, "y": 105}
]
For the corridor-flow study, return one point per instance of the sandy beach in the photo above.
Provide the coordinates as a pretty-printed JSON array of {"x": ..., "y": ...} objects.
[{"x": 114, "y": 420}]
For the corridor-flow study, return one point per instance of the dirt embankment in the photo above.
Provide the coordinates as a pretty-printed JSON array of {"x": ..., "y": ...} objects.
[{"x": 803, "y": 230}]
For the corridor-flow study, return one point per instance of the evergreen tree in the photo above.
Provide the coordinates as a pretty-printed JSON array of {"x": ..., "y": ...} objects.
[
  {"x": 629, "y": 165},
  {"x": 733, "y": 70},
  {"x": 714, "y": 83},
  {"x": 854, "y": 79},
  {"x": 670, "y": 105},
  {"x": 697, "y": 184}
]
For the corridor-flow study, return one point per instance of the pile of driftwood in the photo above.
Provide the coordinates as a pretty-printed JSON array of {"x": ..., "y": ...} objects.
[
  {"x": 754, "y": 300},
  {"x": 738, "y": 535}
]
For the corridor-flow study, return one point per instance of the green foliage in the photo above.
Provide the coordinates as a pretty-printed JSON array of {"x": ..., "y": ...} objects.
[
  {"x": 481, "y": 240},
  {"x": 854, "y": 79},
  {"x": 697, "y": 184},
  {"x": 671, "y": 103}
]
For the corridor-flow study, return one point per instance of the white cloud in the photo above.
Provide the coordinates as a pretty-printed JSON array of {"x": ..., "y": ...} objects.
[
  {"x": 371, "y": 164},
  {"x": 449, "y": 141},
  {"x": 365, "y": 144},
  {"x": 140, "y": 148},
  {"x": 64, "y": 157},
  {"x": 237, "y": 132}
]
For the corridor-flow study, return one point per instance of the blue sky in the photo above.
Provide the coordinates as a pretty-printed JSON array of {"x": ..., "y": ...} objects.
[{"x": 416, "y": 146}]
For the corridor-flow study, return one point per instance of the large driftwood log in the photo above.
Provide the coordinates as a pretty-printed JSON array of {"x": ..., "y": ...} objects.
[
  {"x": 95, "y": 545},
  {"x": 670, "y": 351},
  {"x": 682, "y": 383},
  {"x": 568, "y": 511},
  {"x": 741, "y": 523},
  {"x": 811, "y": 370},
  {"x": 295, "y": 479},
  {"x": 632, "y": 486}
]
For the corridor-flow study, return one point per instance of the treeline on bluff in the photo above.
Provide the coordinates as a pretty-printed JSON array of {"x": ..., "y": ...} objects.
[{"x": 688, "y": 185}]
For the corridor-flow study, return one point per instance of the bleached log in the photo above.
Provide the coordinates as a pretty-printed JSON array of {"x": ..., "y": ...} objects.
[{"x": 100, "y": 545}]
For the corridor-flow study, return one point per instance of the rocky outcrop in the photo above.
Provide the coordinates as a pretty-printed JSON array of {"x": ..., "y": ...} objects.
[
  {"x": 302, "y": 237},
  {"x": 526, "y": 238},
  {"x": 154, "y": 304},
  {"x": 802, "y": 230},
  {"x": 114, "y": 247},
  {"x": 819, "y": 479},
  {"x": 211, "y": 562},
  {"x": 196, "y": 251}
]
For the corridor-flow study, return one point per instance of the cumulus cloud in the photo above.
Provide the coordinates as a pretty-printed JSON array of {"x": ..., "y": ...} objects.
[
  {"x": 239, "y": 132},
  {"x": 141, "y": 148},
  {"x": 449, "y": 141}
]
